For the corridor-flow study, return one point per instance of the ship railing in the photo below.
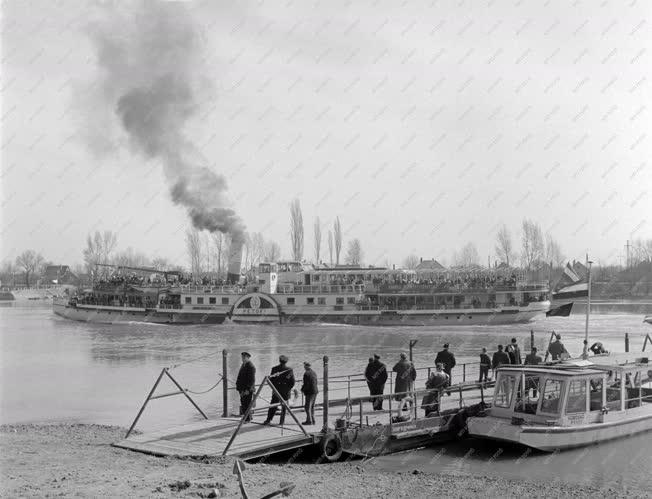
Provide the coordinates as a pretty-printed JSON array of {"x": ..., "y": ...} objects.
[
  {"x": 320, "y": 289},
  {"x": 170, "y": 306},
  {"x": 448, "y": 289},
  {"x": 225, "y": 289}
]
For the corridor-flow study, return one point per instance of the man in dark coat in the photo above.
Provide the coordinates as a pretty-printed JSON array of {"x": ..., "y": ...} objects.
[
  {"x": 557, "y": 348},
  {"x": 500, "y": 358},
  {"x": 405, "y": 376},
  {"x": 282, "y": 378},
  {"x": 446, "y": 358},
  {"x": 485, "y": 365},
  {"x": 532, "y": 359},
  {"x": 310, "y": 389},
  {"x": 376, "y": 376},
  {"x": 436, "y": 381},
  {"x": 514, "y": 353},
  {"x": 246, "y": 383}
]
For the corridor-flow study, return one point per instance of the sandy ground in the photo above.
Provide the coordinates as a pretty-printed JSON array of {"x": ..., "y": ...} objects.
[{"x": 64, "y": 460}]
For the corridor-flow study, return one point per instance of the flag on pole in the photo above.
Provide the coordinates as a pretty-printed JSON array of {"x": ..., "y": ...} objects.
[{"x": 568, "y": 270}]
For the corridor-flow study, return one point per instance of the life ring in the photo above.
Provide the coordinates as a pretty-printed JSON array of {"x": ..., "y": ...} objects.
[
  {"x": 331, "y": 447},
  {"x": 402, "y": 407}
]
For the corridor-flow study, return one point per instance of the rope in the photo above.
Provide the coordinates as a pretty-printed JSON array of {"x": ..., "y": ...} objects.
[
  {"x": 193, "y": 360},
  {"x": 205, "y": 391}
]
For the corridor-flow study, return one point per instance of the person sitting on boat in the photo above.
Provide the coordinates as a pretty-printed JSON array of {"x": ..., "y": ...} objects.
[
  {"x": 514, "y": 352},
  {"x": 436, "y": 381},
  {"x": 446, "y": 358},
  {"x": 485, "y": 365},
  {"x": 405, "y": 376},
  {"x": 282, "y": 378},
  {"x": 557, "y": 349},
  {"x": 597, "y": 348}
]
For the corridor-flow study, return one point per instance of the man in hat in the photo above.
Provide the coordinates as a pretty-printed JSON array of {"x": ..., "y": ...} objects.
[
  {"x": 500, "y": 358},
  {"x": 531, "y": 382},
  {"x": 557, "y": 348},
  {"x": 514, "y": 352},
  {"x": 310, "y": 389},
  {"x": 485, "y": 365},
  {"x": 376, "y": 376},
  {"x": 532, "y": 359},
  {"x": 405, "y": 376},
  {"x": 282, "y": 378},
  {"x": 446, "y": 358},
  {"x": 246, "y": 383}
]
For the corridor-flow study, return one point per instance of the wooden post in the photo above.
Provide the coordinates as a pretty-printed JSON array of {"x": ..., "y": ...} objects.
[
  {"x": 531, "y": 339},
  {"x": 552, "y": 335},
  {"x": 325, "y": 396},
  {"x": 225, "y": 385},
  {"x": 647, "y": 338},
  {"x": 244, "y": 417},
  {"x": 158, "y": 380},
  {"x": 463, "y": 373},
  {"x": 412, "y": 343},
  {"x": 626, "y": 342}
]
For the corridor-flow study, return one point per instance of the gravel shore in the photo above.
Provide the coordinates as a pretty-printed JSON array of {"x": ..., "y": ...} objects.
[{"x": 62, "y": 460}]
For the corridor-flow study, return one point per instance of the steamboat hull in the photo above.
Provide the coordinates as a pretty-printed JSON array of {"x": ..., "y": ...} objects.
[{"x": 113, "y": 315}]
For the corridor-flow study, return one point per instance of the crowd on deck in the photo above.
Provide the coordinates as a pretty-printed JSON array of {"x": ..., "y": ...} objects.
[{"x": 445, "y": 281}]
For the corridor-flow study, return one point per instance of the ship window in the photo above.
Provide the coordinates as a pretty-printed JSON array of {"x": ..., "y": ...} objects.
[
  {"x": 350, "y": 300},
  {"x": 290, "y": 301},
  {"x": 225, "y": 301},
  {"x": 596, "y": 394},
  {"x": 200, "y": 300},
  {"x": 504, "y": 390},
  {"x": 528, "y": 402},
  {"x": 576, "y": 396},
  {"x": 310, "y": 301},
  {"x": 551, "y": 396},
  {"x": 212, "y": 300},
  {"x": 339, "y": 300},
  {"x": 321, "y": 300},
  {"x": 188, "y": 299}
]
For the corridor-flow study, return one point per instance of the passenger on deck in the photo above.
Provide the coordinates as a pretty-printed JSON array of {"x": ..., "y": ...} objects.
[
  {"x": 500, "y": 358},
  {"x": 246, "y": 383},
  {"x": 448, "y": 360},
  {"x": 310, "y": 389},
  {"x": 514, "y": 352},
  {"x": 405, "y": 376},
  {"x": 282, "y": 378},
  {"x": 376, "y": 376},
  {"x": 532, "y": 359},
  {"x": 557, "y": 349},
  {"x": 597, "y": 348},
  {"x": 436, "y": 381},
  {"x": 485, "y": 365}
]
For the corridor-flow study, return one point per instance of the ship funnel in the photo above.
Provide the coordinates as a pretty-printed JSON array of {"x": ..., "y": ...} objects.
[{"x": 235, "y": 262}]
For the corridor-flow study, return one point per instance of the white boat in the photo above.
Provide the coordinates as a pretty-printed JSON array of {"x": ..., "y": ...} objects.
[{"x": 571, "y": 404}]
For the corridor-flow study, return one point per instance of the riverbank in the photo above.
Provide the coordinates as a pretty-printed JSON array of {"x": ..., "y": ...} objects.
[{"x": 77, "y": 460}]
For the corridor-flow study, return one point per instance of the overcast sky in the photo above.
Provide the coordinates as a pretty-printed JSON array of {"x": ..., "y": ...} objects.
[{"x": 423, "y": 125}]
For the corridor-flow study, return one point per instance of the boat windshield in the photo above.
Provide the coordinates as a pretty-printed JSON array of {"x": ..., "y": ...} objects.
[
  {"x": 505, "y": 388},
  {"x": 551, "y": 396}
]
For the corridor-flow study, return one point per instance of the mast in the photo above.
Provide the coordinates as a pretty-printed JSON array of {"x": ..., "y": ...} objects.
[{"x": 588, "y": 310}]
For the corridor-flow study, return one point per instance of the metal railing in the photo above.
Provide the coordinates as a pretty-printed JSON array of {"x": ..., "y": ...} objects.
[{"x": 320, "y": 289}]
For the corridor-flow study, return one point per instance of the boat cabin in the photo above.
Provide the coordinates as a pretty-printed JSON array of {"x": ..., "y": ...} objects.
[{"x": 571, "y": 395}]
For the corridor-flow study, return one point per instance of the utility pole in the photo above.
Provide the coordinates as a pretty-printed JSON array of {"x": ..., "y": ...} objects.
[{"x": 627, "y": 255}]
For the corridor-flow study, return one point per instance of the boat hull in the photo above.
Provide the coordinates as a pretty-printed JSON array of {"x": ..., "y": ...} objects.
[
  {"x": 126, "y": 315},
  {"x": 554, "y": 438}
]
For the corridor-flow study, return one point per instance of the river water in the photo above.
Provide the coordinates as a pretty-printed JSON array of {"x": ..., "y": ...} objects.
[{"x": 53, "y": 369}]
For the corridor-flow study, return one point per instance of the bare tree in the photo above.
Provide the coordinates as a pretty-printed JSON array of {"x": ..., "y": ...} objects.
[
  {"x": 337, "y": 230},
  {"x": 504, "y": 248},
  {"x": 317, "y": 231},
  {"x": 109, "y": 242},
  {"x": 98, "y": 251},
  {"x": 641, "y": 251},
  {"x": 330, "y": 248},
  {"x": 553, "y": 252},
  {"x": 257, "y": 249},
  {"x": 354, "y": 252},
  {"x": 160, "y": 263},
  {"x": 532, "y": 244},
  {"x": 130, "y": 258},
  {"x": 468, "y": 256},
  {"x": 411, "y": 262},
  {"x": 272, "y": 251},
  {"x": 296, "y": 230},
  {"x": 194, "y": 246},
  {"x": 29, "y": 261}
]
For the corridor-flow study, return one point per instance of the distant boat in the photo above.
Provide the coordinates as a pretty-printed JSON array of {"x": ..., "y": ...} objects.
[{"x": 648, "y": 319}]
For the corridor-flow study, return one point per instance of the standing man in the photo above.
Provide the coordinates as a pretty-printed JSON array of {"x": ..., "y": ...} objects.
[
  {"x": 532, "y": 359},
  {"x": 557, "y": 348},
  {"x": 376, "y": 376},
  {"x": 514, "y": 353},
  {"x": 405, "y": 376},
  {"x": 499, "y": 359},
  {"x": 282, "y": 377},
  {"x": 485, "y": 365},
  {"x": 246, "y": 383},
  {"x": 310, "y": 389},
  {"x": 448, "y": 360}
]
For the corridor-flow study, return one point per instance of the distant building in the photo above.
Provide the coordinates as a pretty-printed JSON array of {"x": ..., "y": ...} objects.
[
  {"x": 429, "y": 266},
  {"x": 59, "y": 274}
]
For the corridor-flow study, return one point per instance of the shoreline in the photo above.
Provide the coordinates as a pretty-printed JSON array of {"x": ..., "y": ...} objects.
[{"x": 64, "y": 459}]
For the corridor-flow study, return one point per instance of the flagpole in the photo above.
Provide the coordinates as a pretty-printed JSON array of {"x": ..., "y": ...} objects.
[{"x": 585, "y": 351}]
